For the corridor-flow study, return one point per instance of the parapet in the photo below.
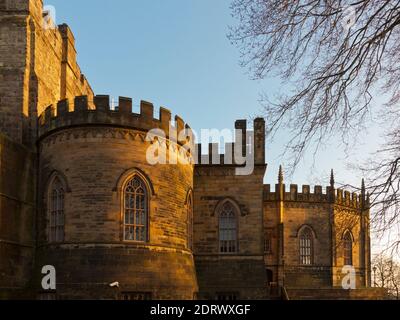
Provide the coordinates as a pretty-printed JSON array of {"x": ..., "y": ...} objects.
[
  {"x": 98, "y": 112},
  {"x": 248, "y": 144},
  {"x": 335, "y": 196}
]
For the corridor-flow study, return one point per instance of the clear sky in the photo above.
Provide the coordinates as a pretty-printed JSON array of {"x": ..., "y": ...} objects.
[{"x": 175, "y": 53}]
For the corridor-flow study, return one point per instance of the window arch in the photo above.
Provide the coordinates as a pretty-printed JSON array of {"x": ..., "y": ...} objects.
[
  {"x": 227, "y": 215},
  {"x": 348, "y": 248},
  {"x": 306, "y": 246},
  {"x": 136, "y": 209},
  {"x": 56, "y": 210},
  {"x": 189, "y": 220}
]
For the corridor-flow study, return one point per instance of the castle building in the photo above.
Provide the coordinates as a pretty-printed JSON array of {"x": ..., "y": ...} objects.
[{"x": 77, "y": 192}]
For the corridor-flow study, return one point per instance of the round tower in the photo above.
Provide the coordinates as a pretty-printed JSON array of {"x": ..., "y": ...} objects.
[{"x": 111, "y": 222}]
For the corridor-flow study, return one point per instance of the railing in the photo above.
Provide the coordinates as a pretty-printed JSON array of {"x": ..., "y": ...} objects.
[
  {"x": 285, "y": 295},
  {"x": 275, "y": 291}
]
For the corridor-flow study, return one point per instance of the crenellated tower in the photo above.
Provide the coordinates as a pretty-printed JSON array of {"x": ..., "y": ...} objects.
[
  {"x": 327, "y": 218},
  {"x": 231, "y": 182},
  {"x": 95, "y": 152},
  {"x": 38, "y": 66}
]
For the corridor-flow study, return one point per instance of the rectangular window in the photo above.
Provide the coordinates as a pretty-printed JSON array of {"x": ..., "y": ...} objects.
[
  {"x": 268, "y": 242},
  {"x": 228, "y": 241},
  {"x": 306, "y": 246},
  {"x": 305, "y": 251}
]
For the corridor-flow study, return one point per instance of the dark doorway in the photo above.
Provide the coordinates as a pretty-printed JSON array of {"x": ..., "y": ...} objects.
[{"x": 270, "y": 276}]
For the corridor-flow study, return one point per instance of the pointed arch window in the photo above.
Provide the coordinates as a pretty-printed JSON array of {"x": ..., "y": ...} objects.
[
  {"x": 228, "y": 228},
  {"x": 348, "y": 248},
  {"x": 189, "y": 213},
  {"x": 306, "y": 246},
  {"x": 135, "y": 210},
  {"x": 56, "y": 214}
]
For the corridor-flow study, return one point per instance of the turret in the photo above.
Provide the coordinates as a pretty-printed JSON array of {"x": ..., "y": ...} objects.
[
  {"x": 82, "y": 113},
  {"x": 332, "y": 187},
  {"x": 37, "y": 70},
  {"x": 363, "y": 199},
  {"x": 280, "y": 187},
  {"x": 248, "y": 145}
]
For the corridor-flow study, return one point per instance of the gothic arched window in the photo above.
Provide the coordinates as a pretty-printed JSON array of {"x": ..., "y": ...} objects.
[
  {"x": 348, "y": 248},
  {"x": 135, "y": 210},
  {"x": 306, "y": 246},
  {"x": 56, "y": 215},
  {"x": 227, "y": 227},
  {"x": 189, "y": 217}
]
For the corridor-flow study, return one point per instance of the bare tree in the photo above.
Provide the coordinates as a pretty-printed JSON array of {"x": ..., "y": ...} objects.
[
  {"x": 333, "y": 57},
  {"x": 386, "y": 273}
]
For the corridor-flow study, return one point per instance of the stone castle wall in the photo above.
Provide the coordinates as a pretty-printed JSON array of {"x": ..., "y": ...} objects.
[
  {"x": 241, "y": 273},
  {"x": 329, "y": 215},
  {"x": 95, "y": 160},
  {"x": 38, "y": 67},
  {"x": 17, "y": 215},
  {"x": 295, "y": 216}
]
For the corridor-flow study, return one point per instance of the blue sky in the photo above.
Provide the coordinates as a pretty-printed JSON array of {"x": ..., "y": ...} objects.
[{"x": 176, "y": 54}]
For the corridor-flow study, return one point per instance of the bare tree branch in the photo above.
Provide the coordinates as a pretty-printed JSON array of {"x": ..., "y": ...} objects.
[{"x": 333, "y": 57}]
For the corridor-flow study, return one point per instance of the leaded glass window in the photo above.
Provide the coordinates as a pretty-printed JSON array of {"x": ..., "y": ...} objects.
[
  {"x": 228, "y": 228},
  {"x": 56, "y": 211},
  {"x": 348, "y": 249},
  {"x": 306, "y": 246},
  {"x": 135, "y": 210}
]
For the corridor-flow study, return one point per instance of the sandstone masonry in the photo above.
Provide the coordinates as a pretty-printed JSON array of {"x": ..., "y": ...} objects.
[{"x": 77, "y": 192}]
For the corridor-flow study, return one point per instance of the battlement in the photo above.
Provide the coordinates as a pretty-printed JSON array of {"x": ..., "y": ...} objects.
[
  {"x": 248, "y": 143},
  {"x": 338, "y": 196},
  {"x": 86, "y": 113}
]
